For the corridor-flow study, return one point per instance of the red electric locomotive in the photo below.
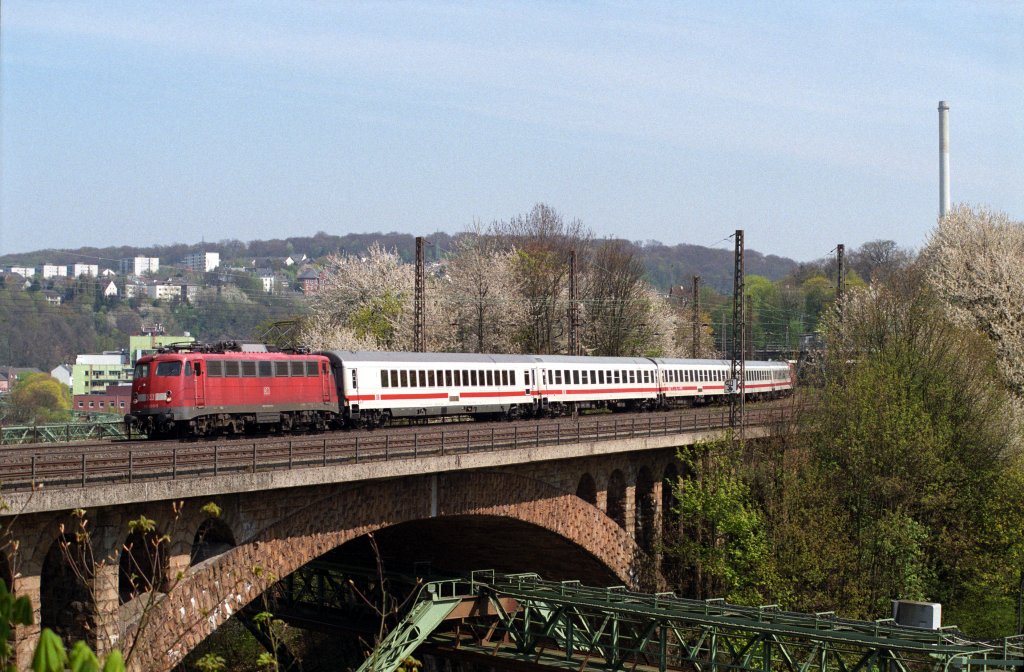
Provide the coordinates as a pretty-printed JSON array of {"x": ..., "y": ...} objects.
[{"x": 222, "y": 389}]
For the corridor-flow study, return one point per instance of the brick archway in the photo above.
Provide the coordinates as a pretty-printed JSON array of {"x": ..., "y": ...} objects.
[{"x": 211, "y": 593}]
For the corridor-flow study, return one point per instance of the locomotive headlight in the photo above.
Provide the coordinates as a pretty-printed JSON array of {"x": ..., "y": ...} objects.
[{"x": 168, "y": 398}]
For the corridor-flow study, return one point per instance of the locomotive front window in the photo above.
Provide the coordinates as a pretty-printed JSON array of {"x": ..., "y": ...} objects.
[
  {"x": 188, "y": 370},
  {"x": 141, "y": 371},
  {"x": 168, "y": 369}
]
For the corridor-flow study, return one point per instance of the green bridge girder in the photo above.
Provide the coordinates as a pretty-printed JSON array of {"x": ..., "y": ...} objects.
[
  {"x": 522, "y": 619},
  {"x": 63, "y": 432}
]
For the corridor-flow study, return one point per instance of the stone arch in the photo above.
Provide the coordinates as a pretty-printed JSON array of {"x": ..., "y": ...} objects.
[
  {"x": 213, "y": 591},
  {"x": 646, "y": 509},
  {"x": 6, "y": 571},
  {"x": 142, "y": 565},
  {"x": 66, "y": 603},
  {"x": 617, "y": 498},
  {"x": 587, "y": 489},
  {"x": 211, "y": 539}
]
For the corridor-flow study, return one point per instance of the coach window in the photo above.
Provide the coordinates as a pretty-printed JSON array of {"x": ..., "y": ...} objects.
[
  {"x": 405, "y": 378},
  {"x": 394, "y": 378},
  {"x": 473, "y": 378},
  {"x": 383, "y": 378},
  {"x": 423, "y": 378}
]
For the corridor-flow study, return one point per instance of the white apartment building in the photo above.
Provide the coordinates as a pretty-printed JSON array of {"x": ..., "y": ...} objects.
[
  {"x": 201, "y": 261},
  {"x": 53, "y": 271},
  {"x": 140, "y": 265},
  {"x": 91, "y": 270},
  {"x": 23, "y": 271},
  {"x": 163, "y": 291}
]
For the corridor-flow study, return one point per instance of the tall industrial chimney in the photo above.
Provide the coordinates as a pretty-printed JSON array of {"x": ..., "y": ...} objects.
[{"x": 943, "y": 158}]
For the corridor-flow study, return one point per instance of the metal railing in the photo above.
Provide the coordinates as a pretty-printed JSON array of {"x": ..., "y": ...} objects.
[
  {"x": 64, "y": 432},
  {"x": 21, "y": 471}
]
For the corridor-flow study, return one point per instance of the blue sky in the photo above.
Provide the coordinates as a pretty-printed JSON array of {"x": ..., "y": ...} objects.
[{"x": 806, "y": 123}]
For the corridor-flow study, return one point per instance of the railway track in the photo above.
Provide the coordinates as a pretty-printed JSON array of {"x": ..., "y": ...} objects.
[{"x": 23, "y": 468}]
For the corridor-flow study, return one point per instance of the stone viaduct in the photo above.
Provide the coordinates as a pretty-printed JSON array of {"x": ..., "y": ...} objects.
[{"x": 591, "y": 510}]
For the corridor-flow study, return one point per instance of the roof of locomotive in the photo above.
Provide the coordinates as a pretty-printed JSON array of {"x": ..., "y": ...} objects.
[{"x": 193, "y": 354}]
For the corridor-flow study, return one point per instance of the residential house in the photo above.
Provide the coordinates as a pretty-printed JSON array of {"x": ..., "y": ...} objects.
[
  {"x": 266, "y": 276},
  {"x": 62, "y": 372},
  {"x": 190, "y": 292},
  {"x": 9, "y": 375},
  {"x": 93, "y": 373},
  {"x": 202, "y": 262},
  {"x": 110, "y": 289},
  {"x": 133, "y": 288},
  {"x": 76, "y": 270},
  {"x": 140, "y": 265},
  {"x": 309, "y": 280},
  {"x": 54, "y": 271},
  {"x": 146, "y": 344},
  {"x": 111, "y": 399},
  {"x": 52, "y": 297},
  {"x": 164, "y": 291}
]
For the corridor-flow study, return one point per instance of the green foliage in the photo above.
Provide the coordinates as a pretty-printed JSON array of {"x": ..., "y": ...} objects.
[
  {"x": 377, "y": 320},
  {"x": 211, "y": 662},
  {"x": 142, "y": 525},
  {"x": 211, "y": 509},
  {"x": 894, "y": 480},
  {"x": 725, "y": 542},
  {"x": 50, "y": 655},
  {"x": 39, "y": 398}
]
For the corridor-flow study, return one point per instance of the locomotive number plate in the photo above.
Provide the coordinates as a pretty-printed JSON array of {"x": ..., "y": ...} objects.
[{"x": 266, "y": 391}]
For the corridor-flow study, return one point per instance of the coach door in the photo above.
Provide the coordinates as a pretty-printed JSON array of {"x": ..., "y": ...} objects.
[
  {"x": 542, "y": 386},
  {"x": 199, "y": 382}
]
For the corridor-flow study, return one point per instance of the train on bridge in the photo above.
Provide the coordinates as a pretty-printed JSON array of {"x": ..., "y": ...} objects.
[{"x": 229, "y": 388}]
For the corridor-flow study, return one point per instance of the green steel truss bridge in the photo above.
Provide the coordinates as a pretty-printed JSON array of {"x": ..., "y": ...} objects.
[
  {"x": 521, "y": 621},
  {"x": 103, "y": 429}
]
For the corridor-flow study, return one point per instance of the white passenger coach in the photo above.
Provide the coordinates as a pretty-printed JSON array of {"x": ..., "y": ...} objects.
[{"x": 377, "y": 386}]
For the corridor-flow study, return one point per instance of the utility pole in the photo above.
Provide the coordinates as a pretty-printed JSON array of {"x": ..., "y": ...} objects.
[
  {"x": 696, "y": 316},
  {"x": 840, "y": 277},
  {"x": 574, "y": 315},
  {"x": 738, "y": 369},
  {"x": 748, "y": 336},
  {"x": 419, "y": 319}
]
